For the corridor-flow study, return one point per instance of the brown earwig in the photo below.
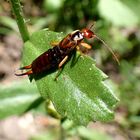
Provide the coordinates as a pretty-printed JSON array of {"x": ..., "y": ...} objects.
[{"x": 57, "y": 56}]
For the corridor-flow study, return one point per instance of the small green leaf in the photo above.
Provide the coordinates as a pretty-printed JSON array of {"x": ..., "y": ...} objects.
[
  {"x": 53, "y": 6},
  {"x": 9, "y": 22},
  {"x": 79, "y": 93},
  {"x": 89, "y": 134},
  {"x": 17, "y": 98},
  {"x": 118, "y": 13}
]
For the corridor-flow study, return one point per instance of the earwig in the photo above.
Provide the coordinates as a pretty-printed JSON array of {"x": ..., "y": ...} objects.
[{"x": 57, "y": 56}]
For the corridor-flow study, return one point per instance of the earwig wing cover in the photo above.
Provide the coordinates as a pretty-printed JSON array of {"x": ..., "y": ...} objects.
[{"x": 80, "y": 93}]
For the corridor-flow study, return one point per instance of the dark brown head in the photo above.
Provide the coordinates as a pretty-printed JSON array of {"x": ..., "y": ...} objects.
[
  {"x": 87, "y": 33},
  {"x": 78, "y": 35}
]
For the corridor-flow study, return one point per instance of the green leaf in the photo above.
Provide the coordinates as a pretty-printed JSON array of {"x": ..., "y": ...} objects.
[
  {"x": 89, "y": 134},
  {"x": 118, "y": 13},
  {"x": 53, "y": 6},
  {"x": 17, "y": 98},
  {"x": 79, "y": 93},
  {"x": 9, "y": 22},
  {"x": 134, "y": 6}
]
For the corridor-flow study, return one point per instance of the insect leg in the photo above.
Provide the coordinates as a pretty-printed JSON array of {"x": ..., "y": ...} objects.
[
  {"x": 79, "y": 50},
  {"x": 87, "y": 46},
  {"x": 60, "y": 66},
  {"x": 54, "y": 44},
  {"x": 63, "y": 61}
]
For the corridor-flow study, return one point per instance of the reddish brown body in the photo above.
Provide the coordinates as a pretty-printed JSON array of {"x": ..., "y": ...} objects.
[
  {"x": 57, "y": 56},
  {"x": 53, "y": 57},
  {"x": 49, "y": 59}
]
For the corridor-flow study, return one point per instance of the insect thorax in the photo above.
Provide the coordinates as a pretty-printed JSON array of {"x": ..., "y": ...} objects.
[{"x": 77, "y": 35}]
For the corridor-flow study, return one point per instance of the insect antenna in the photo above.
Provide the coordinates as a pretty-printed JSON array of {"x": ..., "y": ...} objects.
[
  {"x": 104, "y": 44},
  {"x": 92, "y": 25}
]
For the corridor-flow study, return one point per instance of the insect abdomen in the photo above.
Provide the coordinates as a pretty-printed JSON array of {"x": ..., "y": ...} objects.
[{"x": 48, "y": 60}]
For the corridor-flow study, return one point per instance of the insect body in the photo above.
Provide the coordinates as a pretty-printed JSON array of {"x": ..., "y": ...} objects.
[{"x": 56, "y": 57}]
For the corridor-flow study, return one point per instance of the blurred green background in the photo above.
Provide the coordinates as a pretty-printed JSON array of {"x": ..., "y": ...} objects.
[{"x": 117, "y": 22}]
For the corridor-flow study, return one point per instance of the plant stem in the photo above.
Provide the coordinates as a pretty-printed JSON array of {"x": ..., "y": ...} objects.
[
  {"x": 62, "y": 132},
  {"x": 20, "y": 20}
]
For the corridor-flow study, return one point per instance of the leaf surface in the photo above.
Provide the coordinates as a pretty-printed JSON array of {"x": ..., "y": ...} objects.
[
  {"x": 80, "y": 92},
  {"x": 17, "y": 98},
  {"x": 118, "y": 12}
]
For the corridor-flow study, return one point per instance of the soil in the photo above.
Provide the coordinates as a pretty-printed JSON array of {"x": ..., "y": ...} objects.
[{"x": 10, "y": 55}]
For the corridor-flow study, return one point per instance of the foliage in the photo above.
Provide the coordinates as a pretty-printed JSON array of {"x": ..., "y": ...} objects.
[
  {"x": 80, "y": 98},
  {"x": 121, "y": 16},
  {"x": 18, "y": 98},
  {"x": 130, "y": 96},
  {"x": 117, "y": 22},
  {"x": 73, "y": 132}
]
